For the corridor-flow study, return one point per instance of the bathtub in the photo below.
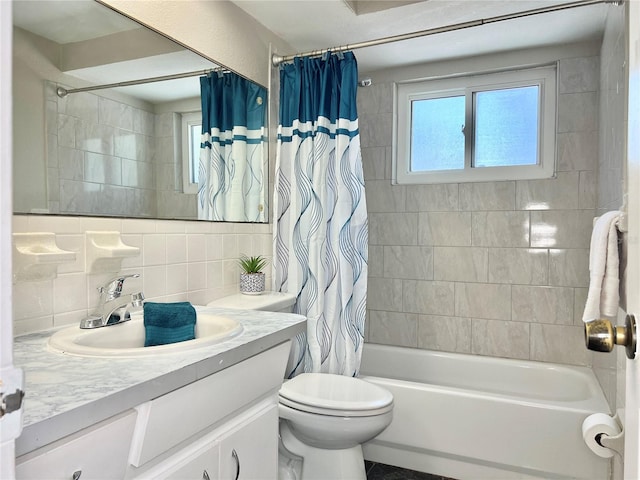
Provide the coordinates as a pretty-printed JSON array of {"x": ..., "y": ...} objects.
[{"x": 469, "y": 417}]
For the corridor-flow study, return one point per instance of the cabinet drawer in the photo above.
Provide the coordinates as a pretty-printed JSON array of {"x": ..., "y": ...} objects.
[
  {"x": 100, "y": 451},
  {"x": 166, "y": 421}
]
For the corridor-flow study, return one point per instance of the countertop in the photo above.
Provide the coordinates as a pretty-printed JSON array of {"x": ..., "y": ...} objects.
[{"x": 66, "y": 393}]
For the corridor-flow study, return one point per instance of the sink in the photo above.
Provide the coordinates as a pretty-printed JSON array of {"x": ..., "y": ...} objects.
[{"x": 127, "y": 339}]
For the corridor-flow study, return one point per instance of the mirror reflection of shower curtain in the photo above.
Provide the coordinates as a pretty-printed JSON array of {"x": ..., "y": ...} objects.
[
  {"x": 231, "y": 177},
  {"x": 320, "y": 216}
]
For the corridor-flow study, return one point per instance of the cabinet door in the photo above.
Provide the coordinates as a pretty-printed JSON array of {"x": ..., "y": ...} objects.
[
  {"x": 197, "y": 461},
  {"x": 250, "y": 450},
  {"x": 201, "y": 466}
]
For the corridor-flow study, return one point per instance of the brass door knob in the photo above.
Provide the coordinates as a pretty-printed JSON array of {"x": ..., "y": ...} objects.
[{"x": 601, "y": 336}]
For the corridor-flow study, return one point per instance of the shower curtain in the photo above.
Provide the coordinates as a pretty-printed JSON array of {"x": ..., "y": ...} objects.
[
  {"x": 321, "y": 229},
  {"x": 230, "y": 175}
]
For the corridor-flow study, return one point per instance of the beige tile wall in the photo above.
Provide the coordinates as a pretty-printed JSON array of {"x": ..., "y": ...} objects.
[
  {"x": 179, "y": 261},
  {"x": 496, "y": 268}
]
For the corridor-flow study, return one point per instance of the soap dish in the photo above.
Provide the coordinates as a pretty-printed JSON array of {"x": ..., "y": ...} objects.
[
  {"x": 106, "y": 250},
  {"x": 36, "y": 256}
]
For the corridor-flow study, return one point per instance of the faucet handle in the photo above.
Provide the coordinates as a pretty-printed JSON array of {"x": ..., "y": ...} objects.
[{"x": 113, "y": 288}]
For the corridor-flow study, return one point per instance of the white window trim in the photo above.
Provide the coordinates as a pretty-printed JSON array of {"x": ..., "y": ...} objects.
[
  {"x": 188, "y": 119},
  {"x": 405, "y": 92}
]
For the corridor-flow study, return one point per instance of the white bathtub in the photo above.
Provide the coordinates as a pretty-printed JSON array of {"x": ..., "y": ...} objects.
[{"x": 469, "y": 417}]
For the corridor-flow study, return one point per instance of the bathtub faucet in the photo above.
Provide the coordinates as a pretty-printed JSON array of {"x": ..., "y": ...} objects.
[{"x": 113, "y": 309}]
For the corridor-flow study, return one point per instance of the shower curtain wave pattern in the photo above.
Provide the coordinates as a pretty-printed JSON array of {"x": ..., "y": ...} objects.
[
  {"x": 321, "y": 227},
  {"x": 231, "y": 182}
]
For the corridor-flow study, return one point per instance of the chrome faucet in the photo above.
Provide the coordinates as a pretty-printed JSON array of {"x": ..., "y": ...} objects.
[{"x": 112, "y": 308}]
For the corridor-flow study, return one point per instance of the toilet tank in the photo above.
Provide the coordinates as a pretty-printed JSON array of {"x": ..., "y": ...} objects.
[{"x": 268, "y": 301}]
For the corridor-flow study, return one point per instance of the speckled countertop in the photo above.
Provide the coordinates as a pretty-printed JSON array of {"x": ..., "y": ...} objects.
[{"x": 66, "y": 393}]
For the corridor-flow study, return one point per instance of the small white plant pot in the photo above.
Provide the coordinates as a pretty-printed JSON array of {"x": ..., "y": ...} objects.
[{"x": 252, "y": 283}]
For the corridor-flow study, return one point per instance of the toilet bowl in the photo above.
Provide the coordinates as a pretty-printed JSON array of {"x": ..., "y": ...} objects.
[{"x": 324, "y": 418}]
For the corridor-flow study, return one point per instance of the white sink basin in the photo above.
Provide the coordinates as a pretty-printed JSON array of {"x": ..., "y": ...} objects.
[{"x": 127, "y": 339}]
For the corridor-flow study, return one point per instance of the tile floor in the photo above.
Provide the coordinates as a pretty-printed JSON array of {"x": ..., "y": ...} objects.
[{"x": 380, "y": 471}]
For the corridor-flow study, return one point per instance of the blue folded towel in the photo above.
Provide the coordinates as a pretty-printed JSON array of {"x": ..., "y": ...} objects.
[{"x": 168, "y": 323}]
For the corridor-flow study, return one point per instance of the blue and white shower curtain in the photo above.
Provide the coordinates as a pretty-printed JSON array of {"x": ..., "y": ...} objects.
[
  {"x": 231, "y": 179},
  {"x": 321, "y": 228}
]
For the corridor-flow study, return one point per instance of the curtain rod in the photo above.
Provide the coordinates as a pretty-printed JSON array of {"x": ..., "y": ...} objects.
[
  {"x": 63, "y": 92},
  {"x": 278, "y": 59}
]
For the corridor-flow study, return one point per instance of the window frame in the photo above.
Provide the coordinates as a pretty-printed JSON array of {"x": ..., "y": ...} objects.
[
  {"x": 188, "y": 119},
  {"x": 543, "y": 76}
]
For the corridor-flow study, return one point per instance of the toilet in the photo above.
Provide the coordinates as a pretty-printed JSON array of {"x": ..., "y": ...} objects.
[{"x": 324, "y": 418}]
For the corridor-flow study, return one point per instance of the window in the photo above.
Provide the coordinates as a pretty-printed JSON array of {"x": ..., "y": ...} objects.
[
  {"x": 497, "y": 126},
  {"x": 191, "y": 135}
]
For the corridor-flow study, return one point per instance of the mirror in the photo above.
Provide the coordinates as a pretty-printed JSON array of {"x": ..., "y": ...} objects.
[{"x": 131, "y": 151}]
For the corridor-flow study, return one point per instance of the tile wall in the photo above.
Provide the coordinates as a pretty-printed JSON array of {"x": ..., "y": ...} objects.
[
  {"x": 496, "y": 268},
  {"x": 179, "y": 261},
  {"x": 106, "y": 156}
]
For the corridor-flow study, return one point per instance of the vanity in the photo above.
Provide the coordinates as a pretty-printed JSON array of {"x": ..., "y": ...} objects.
[{"x": 208, "y": 412}]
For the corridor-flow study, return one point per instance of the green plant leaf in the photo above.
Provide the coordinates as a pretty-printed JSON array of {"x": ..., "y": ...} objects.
[{"x": 252, "y": 264}]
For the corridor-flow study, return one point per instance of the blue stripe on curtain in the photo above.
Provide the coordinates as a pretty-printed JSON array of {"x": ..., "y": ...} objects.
[
  {"x": 332, "y": 135},
  {"x": 321, "y": 228},
  {"x": 230, "y": 141},
  {"x": 231, "y": 174}
]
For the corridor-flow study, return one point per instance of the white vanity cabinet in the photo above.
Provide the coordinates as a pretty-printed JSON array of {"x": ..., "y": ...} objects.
[
  {"x": 100, "y": 451},
  {"x": 245, "y": 448},
  {"x": 224, "y": 426},
  {"x": 221, "y": 426}
]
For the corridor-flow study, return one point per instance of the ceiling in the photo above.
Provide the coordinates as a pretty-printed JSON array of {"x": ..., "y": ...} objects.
[
  {"x": 317, "y": 24},
  {"x": 67, "y": 22}
]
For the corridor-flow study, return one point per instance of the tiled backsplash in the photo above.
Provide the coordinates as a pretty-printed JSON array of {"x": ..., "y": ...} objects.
[
  {"x": 495, "y": 268},
  {"x": 179, "y": 261}
]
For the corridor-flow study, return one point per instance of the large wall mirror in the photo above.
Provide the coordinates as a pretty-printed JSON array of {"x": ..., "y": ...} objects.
[{"x": 133, "y": 151}]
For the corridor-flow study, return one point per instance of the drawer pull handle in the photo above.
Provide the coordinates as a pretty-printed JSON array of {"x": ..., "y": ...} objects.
[
  {"x": 234, "y": 454},
  {"x": 76, "y": 475},
  {"x": 205, "y": 475}
]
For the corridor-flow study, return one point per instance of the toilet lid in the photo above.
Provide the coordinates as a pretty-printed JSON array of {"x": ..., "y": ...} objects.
[{"x": 324, "y": 391}]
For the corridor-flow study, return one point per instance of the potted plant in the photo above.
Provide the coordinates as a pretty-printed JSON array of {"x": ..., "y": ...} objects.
[{"x": 252, "y": 278}]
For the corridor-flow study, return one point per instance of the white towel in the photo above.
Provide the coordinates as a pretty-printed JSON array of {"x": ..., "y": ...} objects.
[{"x": 604, "y": 276}]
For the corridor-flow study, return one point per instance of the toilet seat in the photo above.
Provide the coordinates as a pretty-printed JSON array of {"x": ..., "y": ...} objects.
[{"x": 335, "y": 395}]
